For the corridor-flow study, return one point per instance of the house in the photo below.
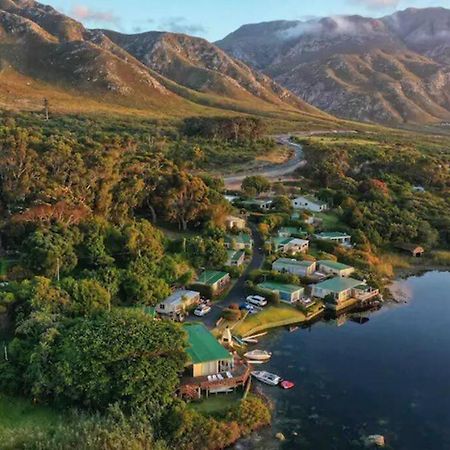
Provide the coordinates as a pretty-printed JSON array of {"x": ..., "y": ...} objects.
[
  {"x": 288, "y": 293},
  {"x": 263, "y": 205},
  {"x": 334, "y": 268},
  {"x": 309, "y": 203},
  {"x": 335, "y": 236},
  {"x": 341, "y": 292},
  {"x": 240, "y": 241},
  {"x": 235, "y": 258},
  {"x": 301, "y": 268},
  {"x": 216, "y": 281},
  {"x": 174, "y": 307},
  {"x": 210, "y": 367},
  {"x": 235, "y": 223},
  {"x": 289, "y": 245},
  {"x": 286, "y": 232},
  {"x": 414, "y": 250}
]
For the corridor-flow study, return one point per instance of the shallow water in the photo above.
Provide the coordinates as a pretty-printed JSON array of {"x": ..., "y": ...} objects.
[{"x": 389, "y": 376}]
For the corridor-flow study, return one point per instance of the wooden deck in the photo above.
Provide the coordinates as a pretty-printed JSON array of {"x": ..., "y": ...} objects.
[{"x": 194, "y": 387}]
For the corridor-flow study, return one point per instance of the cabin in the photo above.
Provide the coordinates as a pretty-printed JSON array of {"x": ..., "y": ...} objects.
[
  {"x": 214, "y": 280},
  {"x": 300, "y": 268},
  {"x": 289, "y": 245},
  {"x": 334, "y": 268},
  {"x": 175, "y": 306},
  {"x": 258, "y": 204},
  {"x": 309, "y": 203},
  {"x": 288, "y": 293},
  {"x": 210, "y": 368},
  {"x": 412, "y": 249},
  {"x": 287, "y": 232},
  {"x": 235, "y": 223},
  {"x": 334, "y": 236},
  {"x": 341, "y": 292},
  {"x": 241, "y": 241},
  {"x": 235, "y": 258}
]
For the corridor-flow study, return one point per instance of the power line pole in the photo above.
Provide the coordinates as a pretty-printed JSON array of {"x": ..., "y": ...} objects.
[
  {"x": 46, "y": 108},
  {"x": 57, "y": 269}
]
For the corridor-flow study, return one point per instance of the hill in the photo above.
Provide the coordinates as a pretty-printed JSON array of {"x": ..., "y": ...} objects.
[{"x": 393, "y": 69}]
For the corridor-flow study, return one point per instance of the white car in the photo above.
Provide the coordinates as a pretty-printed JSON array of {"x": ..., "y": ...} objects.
[
  {"x": 202, "y": 310},
  {"x": 257, "y": 300}
]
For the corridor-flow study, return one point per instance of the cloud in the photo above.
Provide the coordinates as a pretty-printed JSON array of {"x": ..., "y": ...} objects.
[
  {"x": 378, "y": 4},
  {"x": 181, "y": 25},
  {"x": 84, "y": 13}
]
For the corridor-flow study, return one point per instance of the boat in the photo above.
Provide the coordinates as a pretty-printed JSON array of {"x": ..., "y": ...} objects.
[
  {"x": 266, "y": 377},
  {"x": 255, "y": 362},
  {"x": 292, "y": 329},
  {"x": 250, "y": 340},
  {"x": 285, "y": 384},
  {"x": 258, "y": 355},
  {"x": 257, "y": 335},
  {"x": 238, "y": 340}
]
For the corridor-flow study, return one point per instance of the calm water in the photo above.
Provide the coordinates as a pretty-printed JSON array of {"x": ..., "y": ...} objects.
[{"x": 389, "y": 376}]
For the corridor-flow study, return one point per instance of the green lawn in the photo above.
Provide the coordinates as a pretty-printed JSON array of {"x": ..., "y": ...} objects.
[
  {"x": 217, "y": 404},
  {"x": 20, "y": 417},
  {"x": 269, "y": 317},
  {"x": 331, "y": 221}
]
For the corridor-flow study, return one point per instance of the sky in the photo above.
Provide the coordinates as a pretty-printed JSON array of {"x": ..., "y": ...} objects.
[{"x": 214, "y": 19}]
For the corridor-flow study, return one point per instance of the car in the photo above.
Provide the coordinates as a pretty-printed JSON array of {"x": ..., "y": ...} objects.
[
  {"x": 257, "y": 300},
  {"x": 202, "y": 310}
]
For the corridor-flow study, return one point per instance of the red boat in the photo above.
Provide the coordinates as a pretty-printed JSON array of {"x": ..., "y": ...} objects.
[{"x": 287, "y": 384}]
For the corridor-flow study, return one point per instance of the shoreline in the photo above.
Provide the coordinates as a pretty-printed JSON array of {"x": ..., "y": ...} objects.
[{"x": 419, "y": 269}]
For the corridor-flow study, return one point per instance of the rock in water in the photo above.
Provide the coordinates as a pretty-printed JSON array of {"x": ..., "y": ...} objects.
[
  {"x": 374, "y": 440},
  {"x": 280, "y": 436}
]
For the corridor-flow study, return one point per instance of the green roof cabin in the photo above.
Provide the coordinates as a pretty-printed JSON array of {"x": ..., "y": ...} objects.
[
  {"x": 329, "y": 267},
  {"x": 288, "y": 293},
  {"x": 235, "y": 258},
  {"x": 214, "y": 279},
  {"x": 335, "y": 236},
  {"x": 241, "y": 241},
  {"x": 302, "y": 268}
]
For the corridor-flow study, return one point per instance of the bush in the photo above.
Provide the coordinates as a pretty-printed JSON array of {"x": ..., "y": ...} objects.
[
  {"x": 232, "y": 315},
  {"x": 251, "y": 414}
]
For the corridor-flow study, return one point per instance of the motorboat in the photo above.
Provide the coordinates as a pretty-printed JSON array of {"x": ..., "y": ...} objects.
[
  {"x": 258, "y": 355},
  {"x": 285, "y": 384},
  {"x": 266, "y": 377}
]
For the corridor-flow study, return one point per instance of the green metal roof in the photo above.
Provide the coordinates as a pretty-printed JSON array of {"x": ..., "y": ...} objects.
[
  {"x": 294, "y": 262},
  {"x": 281, "y": 240},
  {"x": 334, "y": 265},
  {"x": 338, "y": 284},
  {"x": 209, "y": 277},
  {"x": 280, "y": 287},
  {"x": 235, "y": 255},
  {"x": 332, "y": 234},
  {"x": 203, "y": 346},
  {"x": 239, "y": 238}
]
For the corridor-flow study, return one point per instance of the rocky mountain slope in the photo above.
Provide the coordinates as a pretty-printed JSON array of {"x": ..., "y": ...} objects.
[
  {"x": 45, "y": 53},
  {"x": 393, "y": 69}
]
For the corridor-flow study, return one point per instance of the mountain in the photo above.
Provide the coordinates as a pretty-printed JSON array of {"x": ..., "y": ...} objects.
[
  {"x": 393, "y": 69},
  {"x": 44, "y": 53}
]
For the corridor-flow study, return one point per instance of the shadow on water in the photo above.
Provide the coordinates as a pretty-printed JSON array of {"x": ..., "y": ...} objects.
[{"x": 390, "y": 376}]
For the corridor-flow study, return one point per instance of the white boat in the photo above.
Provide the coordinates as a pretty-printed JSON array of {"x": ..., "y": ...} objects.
[
  {"x": 266, "y": 377},
  {"x": 258, "y": 355},
  {"x": 250, "y": 340},
  {"x": 255, "y": 362}
]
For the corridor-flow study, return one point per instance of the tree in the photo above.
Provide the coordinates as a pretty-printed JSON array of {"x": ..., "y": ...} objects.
[
  {"x": 256, "y": 183},
  {"x": 120, "y": 357},
  {"x": 283, "y": 204}
]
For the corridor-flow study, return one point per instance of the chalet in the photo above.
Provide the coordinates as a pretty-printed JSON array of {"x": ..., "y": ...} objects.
[
  {"x": 414, "y": 250},
  {"x": 341, "y": 292},
  {"x": 288, "y": 293},
  {"x": 309, "y": 203},
  {"x": 175, "y": 306},
  {"x": 287, "y": 232},
  {"x": 289, "y": 245},
  {"x": 216, "y": 281},
  {"x": 235, "y": 258},
  {"x": 235, "y": 223},
  {"x": 335, "y": 236},
  {"x": 210, "y": 368},
  {"x": 301, "y": 268},
  {"x": 334, "y": 268},
  {"x": 240, "y": 241},
  {"x": 262, "y": 205}
]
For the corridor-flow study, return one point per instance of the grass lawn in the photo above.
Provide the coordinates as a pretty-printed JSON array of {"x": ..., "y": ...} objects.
[
  {"x": 21, "y": 416},
  {"x": 331, "y": 221},
  {"x": 269, "y": 317},
  {"x": 217, "y": 404}
]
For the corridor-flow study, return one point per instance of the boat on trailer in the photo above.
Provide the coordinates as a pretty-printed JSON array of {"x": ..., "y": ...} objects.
[
  {"x": 258, "y": 355},
  {"x": 266, "y": 377}
]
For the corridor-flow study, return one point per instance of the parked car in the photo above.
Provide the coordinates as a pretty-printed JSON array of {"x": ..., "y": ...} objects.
[
  {"x": 202, "y": 310},
  {"x": 250, "y": 308},
  {"x": 257, "y": 300}
]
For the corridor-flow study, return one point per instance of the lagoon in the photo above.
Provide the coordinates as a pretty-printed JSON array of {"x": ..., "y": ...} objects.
[{"x": 389, "y": 376}]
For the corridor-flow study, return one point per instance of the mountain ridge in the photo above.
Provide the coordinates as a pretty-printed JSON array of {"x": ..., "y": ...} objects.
[{"x": 392, "y": 69}]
